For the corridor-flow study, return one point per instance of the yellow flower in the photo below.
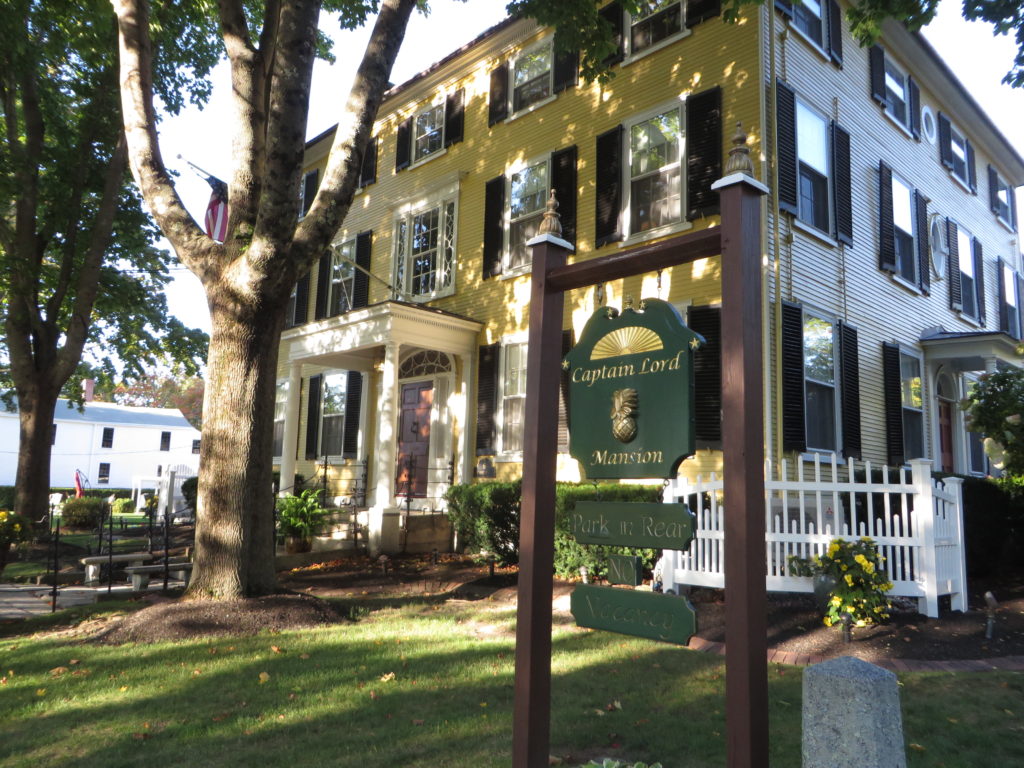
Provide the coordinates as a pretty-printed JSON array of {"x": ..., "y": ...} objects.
[
  {"x": 836, "y": 600},
  {"x": 849, "y": 580}
]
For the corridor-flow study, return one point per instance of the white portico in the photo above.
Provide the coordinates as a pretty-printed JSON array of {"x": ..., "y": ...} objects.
[{"x": 417, "y": 371}]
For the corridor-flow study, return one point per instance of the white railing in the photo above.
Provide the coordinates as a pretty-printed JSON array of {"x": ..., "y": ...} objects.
[{"x": 916, "y": 521}]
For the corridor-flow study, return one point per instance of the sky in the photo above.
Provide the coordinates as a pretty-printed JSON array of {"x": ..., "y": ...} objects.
[{"x": 977, "y": 57}]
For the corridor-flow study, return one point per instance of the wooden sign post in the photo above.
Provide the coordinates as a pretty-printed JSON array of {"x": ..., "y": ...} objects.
[{"x": 738, "y": 241}]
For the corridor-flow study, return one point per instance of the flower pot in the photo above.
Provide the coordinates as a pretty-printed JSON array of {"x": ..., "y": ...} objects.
[
  {"x": 824, "y": 584},
  {"x": 293, "y": 545}
]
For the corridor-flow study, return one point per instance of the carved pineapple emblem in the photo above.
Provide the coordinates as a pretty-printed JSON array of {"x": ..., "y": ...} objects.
[{"x": 624, "y": 405}]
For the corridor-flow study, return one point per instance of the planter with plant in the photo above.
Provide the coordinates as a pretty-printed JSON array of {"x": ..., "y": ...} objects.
[
  {"x": 15, "y": 531},
  {"x": 856, "y": 583},
  {"x": 298, "y": 517}
]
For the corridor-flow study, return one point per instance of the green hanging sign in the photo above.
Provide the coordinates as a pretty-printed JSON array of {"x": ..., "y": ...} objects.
[
  {"x": 632, "y": 612},
  {"x": 631, "y": 392},
  {"x": 632, "y": 524}
]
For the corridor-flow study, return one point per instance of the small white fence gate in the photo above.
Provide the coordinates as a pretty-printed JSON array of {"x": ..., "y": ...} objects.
[{"x": 917, "y": 523}]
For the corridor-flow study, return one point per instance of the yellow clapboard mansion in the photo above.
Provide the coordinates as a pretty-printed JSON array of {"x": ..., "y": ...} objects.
[{"x": 891, "y": 270}]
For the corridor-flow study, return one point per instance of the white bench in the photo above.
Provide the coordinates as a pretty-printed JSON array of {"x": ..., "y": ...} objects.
[
  {"x": 93, "y": 563},
  {"x": 141, "y": 573}
]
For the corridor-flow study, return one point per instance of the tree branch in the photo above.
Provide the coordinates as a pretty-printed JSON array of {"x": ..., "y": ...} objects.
[{"x": 200, "y": 254}]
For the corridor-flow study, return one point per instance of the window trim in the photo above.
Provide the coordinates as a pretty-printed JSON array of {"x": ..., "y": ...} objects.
[
  {"x": 507, "y": 270},
  {"x": 165, "y": 440},
  {"x": 829, "y": 163},
  {"x": 681, "y": 223},
  {"x": 107, "y": 438},
  {"x": 304, "y": 204},
  {"x": 502, "y": 454},
  {"x": 343, "y": 374},
  {"x": 998, "y": 184},
  {"x": 103, "y": 478},
  {"x": 437, "y": 103},
  {"x": 197, "y": 446},
  {"x": 835, "y": 385},
  {"x": 910, "y": 353},
  {"x": 631, "y": 55},
  {"x": 437, "y": 198},
  {"x": 800, "y": 11},
  {"x": 281, "y": 387},
  {"x": 337, "y": 254},
  {"x": 964, "y": 235},
  {"x": 547, "y": 41}
]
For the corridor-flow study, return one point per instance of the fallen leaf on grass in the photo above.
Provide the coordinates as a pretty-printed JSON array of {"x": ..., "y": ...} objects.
[
  {"x": 387, "y": 678},
  {"x": 599, "y": 712},
  {"x": 373, "y": 694},
  {"x": 196, "y": 672},
  {"x": 72, "y": 662},
  {"x": 264, "y": 677},
  {"x": 58, "y": 671},
  {"x": 303, "y": 655},
  {"x": 916, "y": 747},
  {"x": 123, "y": 688},
  {"x": 40, "y": 691},
  {"x": 611, "y": 706},
  {"x": 1007, "y": 711},
  {"x": 276, "y": 649}
]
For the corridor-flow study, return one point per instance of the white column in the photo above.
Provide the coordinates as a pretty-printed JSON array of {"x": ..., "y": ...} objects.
[
  {"x": 291, "y": 428},
  {"x": 387, "y": 430},
  {"x": 466, "y": 421},
  {"x": 991, "y": 365}
]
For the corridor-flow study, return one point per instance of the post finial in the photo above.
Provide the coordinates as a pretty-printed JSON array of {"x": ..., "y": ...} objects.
[
  {"x": 552, "y": 222},
  {"x": 739, "y": 156}
]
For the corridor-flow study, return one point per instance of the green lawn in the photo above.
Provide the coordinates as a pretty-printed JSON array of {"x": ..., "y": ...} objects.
[{"x": 428, "y": 685}]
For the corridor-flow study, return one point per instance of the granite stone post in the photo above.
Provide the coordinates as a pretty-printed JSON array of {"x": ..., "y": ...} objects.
[{"x": 851, "y": 716}]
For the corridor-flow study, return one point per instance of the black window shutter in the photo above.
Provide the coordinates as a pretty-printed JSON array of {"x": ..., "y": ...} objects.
[
  {"x": 454, "y": 117},
  {"x": 313, "y": 416},
  {"x": 886, "y": 227},
  {"x": 956, "y": 299},
  {"x": 368, "y": 168},
  {"x": 612, "y": 13},
  {"x": 497, "y": 108},
  {"x": 1004, "y": 308},
  {"x": 979, "y": 276},
  {"x": 703, "y": 152},
  {"x": 842, "y": 189},
  {"x": 323, "y": 287},
  {"x": 892, "y": 391},
  {"x": 914, "y": 105},
  {"x": 993, "y": 189},
  {"x": 924, "y": 278},
  {"x": 785, "y": 7},
  {"x": 835, "y": 32},
  {"x": 786, "y": 129},
  {"x": 566, "y": 72},
  {"x": 361, "y": 281},
  {"x": 876, "y": 61},
  {"x": 849, "y": 390},
  {"x": 486, "y": 399},
  {"x": 794, "y": 433},
  {"x": 301, "y": 300},
  {"x": 707, "y": 376},
  {"x": 563, "y": 181},
  {"x": 945, "y": 141},
  {"x": 702, "y": 10},
  {"x": 972, "y": 172},
  {"x": 1020, "y": 304},
  {"x": 310, "y": 184},
  {"x": 494, "y": 230},
  {"x": 353, "y": 403},
  {"x": 609, "y": 187},
  {"x": 563, "y": 395},
  {"x": 403, "y": 144}
]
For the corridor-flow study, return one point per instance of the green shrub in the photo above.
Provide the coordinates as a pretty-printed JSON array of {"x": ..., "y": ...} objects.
[
  {"x": 6, "y": 497},
  {"x": 189, "y": 488},
  {"x": 993, "y": 525},
  {"x": 858, "y": 578},
  {"x": 85, "y": 512},
  {"x": 123, "y": 507},
  {"x": 301, "y": 515},
  {"x": 486, "y": 517}
]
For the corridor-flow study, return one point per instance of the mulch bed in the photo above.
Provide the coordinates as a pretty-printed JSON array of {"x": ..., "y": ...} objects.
[{"x": 794, "y": 625}]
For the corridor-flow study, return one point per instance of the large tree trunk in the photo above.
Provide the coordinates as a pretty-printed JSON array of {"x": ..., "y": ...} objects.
[
  {"x": 36, "y": 407},
  {"x": 234, "y": 521}
]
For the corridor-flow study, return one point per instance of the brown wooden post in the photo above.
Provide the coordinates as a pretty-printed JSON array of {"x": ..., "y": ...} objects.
[
  {"x": 746, "y": 678},
  {"x": 531, "y": 725}
]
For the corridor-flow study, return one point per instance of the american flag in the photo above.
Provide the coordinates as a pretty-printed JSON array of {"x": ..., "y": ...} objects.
[{"x": 217, "y": 210}]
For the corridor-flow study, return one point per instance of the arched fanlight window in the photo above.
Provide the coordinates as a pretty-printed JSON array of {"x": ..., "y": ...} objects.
[{"x": 427, "y": 362}]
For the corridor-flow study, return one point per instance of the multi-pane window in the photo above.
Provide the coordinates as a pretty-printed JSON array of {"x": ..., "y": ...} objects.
[
  {"x": 513, "y": 391},
  {"x": 820, "y": 383},
  {"x": 977, "y": 462},
  {"x": 280, "y": 405},
  {"x": 896, "y": 95},
  {"x": 531, "y": 76},
  {"x": 104, "y": 474},
  {"x": 807, "y": 18},
  {"x": 912, "y": 398},
  {"x": 1001, "y": 197},
  {"x": 813, "y": 167},
  {"x": 332, "y": 432},
  {"x": 528, "y": 192},
  {"x": 108, "y": 438},
  {"x": 196, "y": 446},
  {"x": 968, "y": 280},
  {"x": 903, "y": 226},
  {"x": 655, "y": 180},
  {"x": 425, "y": 251},
  {"x": 165, "y": 441},
  {"x": 958, "y": 150},
  {"x": 1011, "y": 302},
  {"x": 655, "y": 21},
  {"x": 428, "y": 132},
  {"x": 343, "y": 275}
]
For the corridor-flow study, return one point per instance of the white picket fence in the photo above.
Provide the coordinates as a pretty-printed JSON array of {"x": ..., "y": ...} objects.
[{"x": 916, "y": 521}]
